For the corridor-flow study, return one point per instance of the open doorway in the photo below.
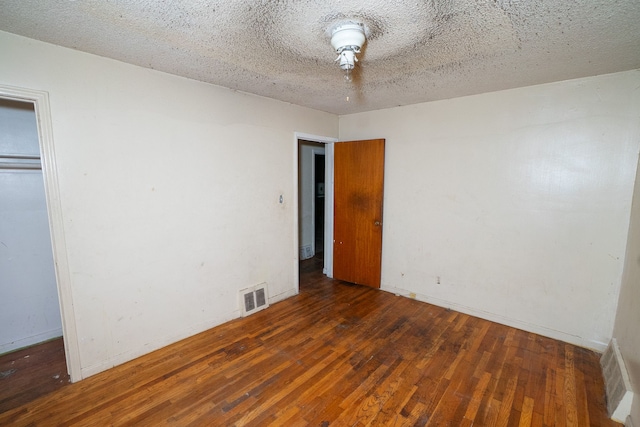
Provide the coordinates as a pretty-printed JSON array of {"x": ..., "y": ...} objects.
[
  {"x": 311, "y": 182},
  {"x": 40, "y": 101},
  {"x": 362, "y": 164},
  {"x": 311, "y": 206},
  {"x": 29, "y": 308},
  {"x": 314, "y": 166}
]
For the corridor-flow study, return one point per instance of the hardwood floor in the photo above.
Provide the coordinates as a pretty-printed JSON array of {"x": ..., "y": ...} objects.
[
  {"x": 341, "y": 355},
  {"x": 31, "y": 372}
]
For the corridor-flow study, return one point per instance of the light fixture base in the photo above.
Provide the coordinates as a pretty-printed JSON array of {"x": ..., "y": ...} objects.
[
  {"x": 347, "y": 38},
  {"x": 348, "y": 35}
]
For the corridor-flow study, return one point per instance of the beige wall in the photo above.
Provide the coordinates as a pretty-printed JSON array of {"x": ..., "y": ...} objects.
[
  {"x": 169, "y": 190},
  {"x": 513, "y": 205},
  {"x": 627, "y": 326}
]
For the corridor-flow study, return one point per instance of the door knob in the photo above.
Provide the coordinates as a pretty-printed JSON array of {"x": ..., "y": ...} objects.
[{"x": 377, "y": 223}]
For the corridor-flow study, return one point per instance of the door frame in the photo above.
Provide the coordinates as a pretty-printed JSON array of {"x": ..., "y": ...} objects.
[
  {"x": 328, "y": 202},
  {"x": 40, "y": 101}
]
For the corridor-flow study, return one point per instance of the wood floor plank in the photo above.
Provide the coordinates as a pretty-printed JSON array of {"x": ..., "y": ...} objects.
[
  {"x": 526, "y": 416},
  {"x": 507, "y": 400},
  {"x": 570, "y": 388},
  {"x": 336, "y": 354},
  {"x": 476, "y": 399},
  {"x": 549, "y": 397},
  {"x": 31, "y": 372}
]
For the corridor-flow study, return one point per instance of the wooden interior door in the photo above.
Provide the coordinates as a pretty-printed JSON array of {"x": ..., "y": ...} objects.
[{"x": 358, "y": 195}]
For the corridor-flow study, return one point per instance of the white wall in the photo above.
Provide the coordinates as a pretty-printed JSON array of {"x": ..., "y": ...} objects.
[
  {"x": 169, "y": 189},
  {"x": 307, "y": 193},
  {"x": 517, "y": 202},
  {"x": 29, "y": 308},
  {"x": 627, "y": 326}
]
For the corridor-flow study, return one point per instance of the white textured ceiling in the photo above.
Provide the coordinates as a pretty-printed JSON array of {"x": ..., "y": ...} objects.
[{"x": 419, "y": 50}]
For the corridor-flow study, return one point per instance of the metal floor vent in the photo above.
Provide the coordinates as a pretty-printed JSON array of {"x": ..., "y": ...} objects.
[
  {"x": 617, "y": 383},
  {"x": 254, "y": 299}
]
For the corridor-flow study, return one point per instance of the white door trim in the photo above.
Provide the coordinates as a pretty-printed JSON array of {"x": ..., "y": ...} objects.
[
  {"x": 328, "y": 202},
  {"x": 40, "y": 100}
]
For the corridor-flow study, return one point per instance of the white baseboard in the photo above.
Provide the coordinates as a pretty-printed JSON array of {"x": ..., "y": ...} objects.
[
  {"x": 127, "y": 356},
  {"x": 515, "y": 323},
  {"x": 31, "y": 340},
  {"x": 148, "y": 348},
  {"x": 283, "y": 296}
]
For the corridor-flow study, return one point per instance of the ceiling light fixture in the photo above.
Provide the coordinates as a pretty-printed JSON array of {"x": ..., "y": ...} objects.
[{"x": 347, "y": 39}]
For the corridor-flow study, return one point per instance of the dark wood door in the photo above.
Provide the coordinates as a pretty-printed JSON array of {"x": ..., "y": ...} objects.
[{"x": 358, "y": 196}]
